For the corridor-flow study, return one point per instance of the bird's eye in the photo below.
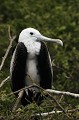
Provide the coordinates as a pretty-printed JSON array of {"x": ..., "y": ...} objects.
[{"x": 31, "y": 33}]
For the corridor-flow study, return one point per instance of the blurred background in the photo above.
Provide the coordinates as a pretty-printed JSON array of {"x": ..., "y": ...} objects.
[{"x": 55, "y": 19}]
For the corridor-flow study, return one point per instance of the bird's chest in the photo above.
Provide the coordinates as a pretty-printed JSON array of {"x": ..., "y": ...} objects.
[
  {"x": 31, "y": 65},
  {"x": 32, "y": 73}
]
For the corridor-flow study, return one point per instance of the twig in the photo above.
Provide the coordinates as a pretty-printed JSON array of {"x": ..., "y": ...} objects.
[
  {"x": 20, "y": 94},
  {"x": 52, "y": 112},
  {"x": 63, "y": 93},
  {"x": 3, "y": 82},
  {"x": 48, "y": 90},
  {"x": 61, "y": 98},
  {"x": 48, "y": 113},
  {"x": 8, "y": 49},
  {"x": 27, "y": 87}
]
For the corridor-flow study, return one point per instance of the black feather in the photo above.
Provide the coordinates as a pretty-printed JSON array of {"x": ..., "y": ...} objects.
[{"x": 44, "y": 67}]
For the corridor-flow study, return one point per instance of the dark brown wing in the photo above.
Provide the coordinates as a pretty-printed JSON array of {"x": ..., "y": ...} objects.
[
  {"x": 18, "y": 66},
  {"x": 45, "y": 68}
]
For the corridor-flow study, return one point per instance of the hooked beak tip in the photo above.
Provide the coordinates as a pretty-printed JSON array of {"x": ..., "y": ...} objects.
[{"x": 59, "y": 42}]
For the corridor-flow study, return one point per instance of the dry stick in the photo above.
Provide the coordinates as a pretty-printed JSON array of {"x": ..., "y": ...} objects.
[
  {"x": 61, "y": 98},
  {"x": 20, "y": 94},
  {"x": 62, "y": 93},
  {"x": 3, "y": 82},
  {"x": 8, "y": 49},
  {"x": 48, "y": 90},
  {"x": 21, "y": 89},
  {"x": 52, "y": 112}
]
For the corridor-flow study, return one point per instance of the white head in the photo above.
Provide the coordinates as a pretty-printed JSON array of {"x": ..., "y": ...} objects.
[{"x": 35, "y": 35}]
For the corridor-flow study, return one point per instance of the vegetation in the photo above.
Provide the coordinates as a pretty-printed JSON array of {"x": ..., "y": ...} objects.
[{"x": 55, "y": 19}]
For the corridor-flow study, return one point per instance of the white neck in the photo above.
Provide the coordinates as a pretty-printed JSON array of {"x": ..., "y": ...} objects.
[{"x": 33, "y": 47}]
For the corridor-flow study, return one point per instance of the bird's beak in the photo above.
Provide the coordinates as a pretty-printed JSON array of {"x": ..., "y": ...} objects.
[{"x": 43, "y": 38}]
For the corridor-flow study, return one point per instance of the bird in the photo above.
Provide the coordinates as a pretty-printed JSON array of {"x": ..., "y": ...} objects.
[{"x": 31, "y": 58}]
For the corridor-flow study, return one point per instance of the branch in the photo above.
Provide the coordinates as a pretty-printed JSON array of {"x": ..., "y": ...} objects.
[
  {"x": 63, "y": 93},
  {"x": 48, "y": 90},
  {"x": 20, "y": 94},
  {"x": 8, "y": 49},
  {"x": 27, "y": 87},
  {"x": 52, "y": 112},
  {"x": 3, "y": 82}
]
